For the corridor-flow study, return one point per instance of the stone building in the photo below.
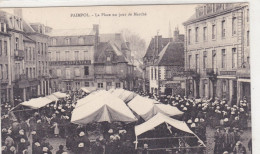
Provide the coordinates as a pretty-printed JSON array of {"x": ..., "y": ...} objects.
[
  {"x": 217, "y": 52},
  {"x": 164, "y": 65},
  {"x": 71, "y": 56}
]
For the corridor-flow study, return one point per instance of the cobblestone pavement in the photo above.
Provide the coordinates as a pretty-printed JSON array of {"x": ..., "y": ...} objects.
[{"x": 55, "y": 142}]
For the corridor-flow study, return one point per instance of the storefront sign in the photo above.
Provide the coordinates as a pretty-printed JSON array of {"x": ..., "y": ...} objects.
[
  {"x": 227, "y": 72},
  {"x": 78, "y": 62}
]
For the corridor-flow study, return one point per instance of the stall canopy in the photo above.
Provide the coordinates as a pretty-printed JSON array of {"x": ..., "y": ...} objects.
[
  {"x": 60, "y": 95},
  {"x": 147, "y": 108},
  {"x": 88, "y": 89},
  {"x": 159, "y": 119},
  {"x": 106, "y": 108},
  {"x": 90, "y": 97},
  {"x": 52, "y": 97},
  {"x": 37, "y": 103},
  {"x": 123, "y": 94}
]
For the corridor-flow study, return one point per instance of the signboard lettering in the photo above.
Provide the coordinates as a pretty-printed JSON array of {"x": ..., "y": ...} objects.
[{"x": 79, "y": 62}]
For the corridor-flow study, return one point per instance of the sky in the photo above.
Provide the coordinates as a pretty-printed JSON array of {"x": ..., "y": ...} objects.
[{"x": 157, "y": 18}]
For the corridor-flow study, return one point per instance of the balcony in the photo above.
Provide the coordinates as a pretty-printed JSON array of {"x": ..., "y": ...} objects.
[
  {"x": 193, "y": 73},
  {"x": 212, "y": 73},
  {"x": 18, "y": 55}
]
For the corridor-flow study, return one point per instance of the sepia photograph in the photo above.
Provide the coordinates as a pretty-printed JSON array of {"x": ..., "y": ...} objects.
[{"x": 126, "y": 79}]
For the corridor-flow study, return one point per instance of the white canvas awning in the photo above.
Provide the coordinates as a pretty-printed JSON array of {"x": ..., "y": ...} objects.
[
  {"x": 147, "y": 108},
  {"x": 159, "y": 119},
  {"x": 90, "y": 97},
  {"x": 52, "y": 97},
  {"x": 60, "y": 95},
  {"x": 125, "y": 95},
  {"x": 106, "y": 108},
  {"x": 88, "y": 89},
  {"x": 37, "y": 103}
]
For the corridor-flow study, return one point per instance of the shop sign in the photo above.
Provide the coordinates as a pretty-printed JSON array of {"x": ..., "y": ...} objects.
[
  {"x": 227, "y": 72},
  {"x": 78, "y": 62}
]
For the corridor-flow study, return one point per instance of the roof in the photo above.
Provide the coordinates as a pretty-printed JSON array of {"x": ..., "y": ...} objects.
[
  {"x": 103, "y": 47},
  {"x": 171, "y": 54},
  {"x": 117, "y": 38},
  {"x": 71, "y": 32},
  {"x": 28, "y": 39},
  {"x": 150, "y": 52}
]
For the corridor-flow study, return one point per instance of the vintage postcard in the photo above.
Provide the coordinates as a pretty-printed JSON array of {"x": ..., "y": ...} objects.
[{"x": 136, "y": 79}]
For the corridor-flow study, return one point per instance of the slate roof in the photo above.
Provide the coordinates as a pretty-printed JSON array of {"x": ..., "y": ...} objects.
[
  {"x": 103, "y": 48},
  {"x": 150, "y": 52},
  {"x": 171, "y": 55},
  {"x": 71, "y": 32},
  {"x": 121, "y": 43}
]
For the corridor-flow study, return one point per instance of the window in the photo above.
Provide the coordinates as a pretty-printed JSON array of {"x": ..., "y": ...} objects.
[
  {"x": 223, "y": 58},
  {"x": 168, "y": 74},
  {"x": 34, "y": 75},
  {"x": 234, "y": 58},
  {"x": 214, "y": 60},
  {"x": 204, "y": 33},
  {"x": 155, "y": 73},
  {"x": 67, "y": 41},
  {"x": 108, "y": 58},
  {"x": 247, "y": 15},
  {"x": 1, "y": 71},
  {"x": 86, "y": 70},
  {"x": 49, "y": 56},
  {"x": 76, "y": 54},
  {"x": 16, "y": 43},
  {"x": 6, "y": 68},
  {"x": 100, "y": 85},
  {"x": 53, "y": 41},
  {"x": 39, "y": 48},
  {"x": 86, "y": 55},
  {"x": 204, "y": 59},
  {"x": 77, "y": 72},
  {"x": 223, "y": 28},
  {"x": 151, "y": 73},
  {"x": 68, "y": 73},
  {"x": 117, "y": 85},
  {"x": 67, "y": 55},
  {"x": 189, "y": 62},
  {"x": 197, "y": 34},
  {"x": 5, "y": 47},
  {"x": 81, "y": 40},
  {"x": 3, "y": 27},
  {"x": 0, "y": 47},
  {"x": 224, "y": 88},
  {"x": 214, "y": 31},
  {"x": 234, "y": 26},
  {"x": 86, "y": 84},
  {"x": 77, "y": 85},
  {"x": 42, "y": 49},
  {"x": 197, "y": 63},
  {"x": 33, "y": 54},
  {"x": 57, "y": 56},
  {"x": 27, "y": 72},
  {"x": 68, "y": 86},
  {"x": 248, "y": 38},
  {"x": 31, "y": 73},
  {"x": 108, "y": 69},
  {"x": 189, "y": 36},
  {"x": 109, "y": 83},
  {"x": 30, "y": 53}
]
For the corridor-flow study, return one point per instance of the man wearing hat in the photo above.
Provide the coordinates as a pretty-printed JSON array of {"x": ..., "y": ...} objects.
[
  {"x": 239, "y": 148},
  {"x": 219, "y": 139}
]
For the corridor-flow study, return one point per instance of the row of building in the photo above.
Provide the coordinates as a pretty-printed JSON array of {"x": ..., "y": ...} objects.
[
  {"x": 216, "y": 55},
  {"x": 36, "y": 60}
]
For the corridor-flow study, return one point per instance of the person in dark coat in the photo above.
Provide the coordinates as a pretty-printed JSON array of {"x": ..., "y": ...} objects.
[
  {"x": 97, "y": 148},
  {"x": 218, "y": 148},
  {"x": 239, "y": 148},
  {"x": 61, "y": 150}
]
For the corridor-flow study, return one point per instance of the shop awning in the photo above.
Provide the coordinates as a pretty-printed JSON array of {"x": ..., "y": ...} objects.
[
  {"x": 104, "y": 108},
  {"x": 52, "y": 97},
  {"x": 88, "y": 89},
  {"x": 125, "y": 95},
  {"x": 147, "y": 108},
  {"x": 60, "y": 95},
  {"x": 90, "y": 97},
  {"x": 37, "y": 103}
]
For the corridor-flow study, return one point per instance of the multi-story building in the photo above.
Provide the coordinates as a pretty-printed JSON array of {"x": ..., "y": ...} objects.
[
  {"x": 19, "y": 65},
  {"x": 6, "y": 94},
  {"x": 71, "y": 56},
  {"x": 164, "y": 64},
  {"x": 113, "y": 65},
  {"x": 217, "y": 52}
]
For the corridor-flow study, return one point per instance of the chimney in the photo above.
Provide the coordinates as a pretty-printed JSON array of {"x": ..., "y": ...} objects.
[
  {"x": 18, "y": 12},
  {"x": 117, "y": 36},
  {"x": 96, "y": 29},
  {"x": 176, "y": 34}
]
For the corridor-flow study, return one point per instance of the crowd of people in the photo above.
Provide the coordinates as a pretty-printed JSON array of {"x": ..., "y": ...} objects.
[{"x": 53, "y": 121}]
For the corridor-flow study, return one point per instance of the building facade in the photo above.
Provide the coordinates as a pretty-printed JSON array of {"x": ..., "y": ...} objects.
[
  {"x": 217, "y": 52},
  {"x": 71, "y": 56},
  {"x": 21, "y": 71},
  {"x": 164, "y": 67}
]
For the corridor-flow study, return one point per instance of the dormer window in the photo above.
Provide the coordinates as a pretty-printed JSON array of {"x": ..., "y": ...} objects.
[
  {"x": 3, "y": 27},
  {"x": 67, "y": 41}
]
